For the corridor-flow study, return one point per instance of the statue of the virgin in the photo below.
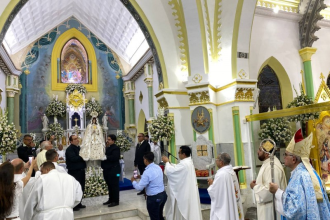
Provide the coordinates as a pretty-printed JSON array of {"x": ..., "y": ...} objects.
[{"x": 93, "y": 145}]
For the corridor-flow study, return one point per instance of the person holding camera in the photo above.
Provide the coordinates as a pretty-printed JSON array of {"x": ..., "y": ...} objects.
[
  {"x": 152, "y": 181},
  {"x": 111, "y": 170}
]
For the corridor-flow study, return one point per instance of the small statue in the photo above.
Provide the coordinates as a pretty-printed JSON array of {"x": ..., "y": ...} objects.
[
  {"x": 45, "y": 122},
  {"x": 105, "y": 121},
  {"x": 55, "y": 120},
  {"x": 93, "y": 99},
  {"x": 55, "y": 97}
]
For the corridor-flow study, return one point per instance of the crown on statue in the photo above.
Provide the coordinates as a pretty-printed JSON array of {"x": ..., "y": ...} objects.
[{"x": 94, "y": 114}]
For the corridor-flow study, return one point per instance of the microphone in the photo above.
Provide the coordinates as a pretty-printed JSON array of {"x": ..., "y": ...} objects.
[{"x": 171, "y": 154}]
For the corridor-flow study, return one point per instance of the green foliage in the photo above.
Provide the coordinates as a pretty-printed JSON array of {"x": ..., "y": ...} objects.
[
  {"x": 56, "y": 108},
  {"x": 80, "y": 88},
  {"x": 277, "y": 129},
  {"x": 8, "y": 135}
]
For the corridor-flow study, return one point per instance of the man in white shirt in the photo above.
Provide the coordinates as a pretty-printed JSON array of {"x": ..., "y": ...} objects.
[
  {"x": 41, "y": 157},
  {"x": 48, "y": 199},
  {"x": 52, "y": 156},
  {"x": 183, "y": 196},
  {"x": 61, "y": 152},
  {"x": 224, "y": 190}
]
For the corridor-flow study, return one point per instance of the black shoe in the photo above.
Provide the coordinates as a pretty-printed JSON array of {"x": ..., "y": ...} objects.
[
  {"x": 140, "y": 193},
  {"x": 113, "y": 204},
  {"x": 81, "y": 206},
  {"x": 107, "y": 202},
  {"x": 76, "y": 209}
]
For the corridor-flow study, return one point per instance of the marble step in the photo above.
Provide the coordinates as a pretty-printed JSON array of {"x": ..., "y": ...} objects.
[
  {"x": 125, "y": 214},
  {"x": 131, "y": 218}
]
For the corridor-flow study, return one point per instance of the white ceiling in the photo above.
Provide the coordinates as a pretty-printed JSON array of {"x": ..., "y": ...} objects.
[{"x": 109, "y": 20}]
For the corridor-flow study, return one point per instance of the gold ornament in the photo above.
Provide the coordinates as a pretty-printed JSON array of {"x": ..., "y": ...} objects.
[
  {"x": 268, "y": 146},
  {"x": 76, "y": 99}
]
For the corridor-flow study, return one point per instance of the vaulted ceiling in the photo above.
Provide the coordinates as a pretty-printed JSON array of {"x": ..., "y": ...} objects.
[{"x": 109, "y": 20}]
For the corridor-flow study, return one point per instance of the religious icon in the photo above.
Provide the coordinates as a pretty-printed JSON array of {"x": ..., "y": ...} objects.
[{"x": 200, "y": 119}]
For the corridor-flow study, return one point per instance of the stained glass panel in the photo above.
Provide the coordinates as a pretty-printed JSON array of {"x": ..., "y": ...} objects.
[{"x": 270, "y": 90}]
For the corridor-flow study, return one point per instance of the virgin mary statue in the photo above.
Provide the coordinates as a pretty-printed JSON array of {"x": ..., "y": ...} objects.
[{"x": 93, "y": 146}]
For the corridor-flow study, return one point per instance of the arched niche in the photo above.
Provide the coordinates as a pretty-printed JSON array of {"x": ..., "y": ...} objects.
[
  {"x": 73, "y": 33},
  {"x": 141, "y": 122},
  {"x": 283, "y": 78},
  {"x": 270, "y": 90}
]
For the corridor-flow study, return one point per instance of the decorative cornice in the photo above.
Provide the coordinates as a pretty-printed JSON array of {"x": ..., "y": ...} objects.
[
  {"x": 6, "y": 65},
  {"x": 308, "y": 24},
  {"x": 281, "y": 14},
  {"x": 171, "y": 92},
  {"x": 138, "y": 69},
  {"x": 199, "y": 97},
  {"x": 177, "y": 12},
  {"x": 283, "y": 5}
]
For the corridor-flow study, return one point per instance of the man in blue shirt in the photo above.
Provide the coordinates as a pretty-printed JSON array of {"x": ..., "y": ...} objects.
[{"x": 152, "y": 181}]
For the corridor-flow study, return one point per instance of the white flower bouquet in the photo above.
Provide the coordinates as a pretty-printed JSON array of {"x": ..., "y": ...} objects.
[
  {"x": 55, "y": 129},
  {"x": 8, "y": 135},
  {"x": 301, "y": 100},
  {"x": 95, "y": 184},
  {"x": 123, "y": 143},
  {"x": 56, "y": 108},
  {"x": 162, "y": 128},
  {"x": 277, "y": 129},
  {"x": 80, "y": 88},
  {"x": 93, "y": 106}
]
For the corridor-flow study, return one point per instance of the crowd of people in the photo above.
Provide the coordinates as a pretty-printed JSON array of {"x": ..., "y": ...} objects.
[{"x": 31, "y": 186}]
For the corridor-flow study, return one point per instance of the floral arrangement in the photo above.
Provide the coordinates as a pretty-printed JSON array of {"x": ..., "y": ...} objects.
[
  {"x": 162, "y": 128},
  {"x": 8, "y": 135},
  {"x": 301, "y": 100},
  {"x": 123, "y": 143},
  {"x": 80, "y": 88},
  {"x": 95, "y": 184},
  {"x": 56, "y": 108},
  {"x": 93, "y": 106},
  {"x": 277, "y": 129},
  {"x": 55, "y": 129}
]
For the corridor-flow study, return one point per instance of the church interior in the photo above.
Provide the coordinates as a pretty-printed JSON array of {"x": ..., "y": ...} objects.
[{"x": 223, "y": 72}]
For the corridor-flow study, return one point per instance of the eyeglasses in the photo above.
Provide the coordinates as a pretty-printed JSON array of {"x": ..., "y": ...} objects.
[{"x": 285, "y": 155}]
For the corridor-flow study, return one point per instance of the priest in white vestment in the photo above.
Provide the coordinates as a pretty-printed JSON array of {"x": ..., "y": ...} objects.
[
  {"x": 260, "y": 186},
  {"x": 183, "y": 201},
  {"x": 224, "y": 190},
  {"x": 53, "y": 196}
]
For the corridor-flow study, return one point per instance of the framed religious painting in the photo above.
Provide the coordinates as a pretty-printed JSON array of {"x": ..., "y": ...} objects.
[
  {"x": 322, "y": 130},
  {"x": 74, "y": 61},
  {"x": 201, "y": 119}
]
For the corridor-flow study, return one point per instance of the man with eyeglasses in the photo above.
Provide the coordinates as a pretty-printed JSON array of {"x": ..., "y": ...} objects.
[
  {"x": 260, "y": 186},
  {"x": 182, "y": 191},
  {"x": 142, "y": 148},
  {"x": 304, "y": 197}
]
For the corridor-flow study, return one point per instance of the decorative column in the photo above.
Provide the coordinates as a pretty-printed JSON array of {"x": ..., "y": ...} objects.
[
  {"x": 12, "y": 89},
  {"x": 129, "y": 89},
  {"x": 238, "y": 146},
  {"x": 148, "y": 80},
  {"x": 306, "y": 55}
]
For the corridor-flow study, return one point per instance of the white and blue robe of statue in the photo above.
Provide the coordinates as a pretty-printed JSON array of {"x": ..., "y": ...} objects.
[{"x": 298, "y": 201}]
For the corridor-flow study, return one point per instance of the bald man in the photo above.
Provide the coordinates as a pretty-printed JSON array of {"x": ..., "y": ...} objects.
[
  {"x": 41, "y": 157},
  {"x": 19, "y": 168},
  {"x": 49, "y": 199}
]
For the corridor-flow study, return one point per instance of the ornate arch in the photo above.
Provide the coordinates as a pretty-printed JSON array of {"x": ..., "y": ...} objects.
[
  {"x": 56, "y": 57},
  {"x": 283, "y": 78}
]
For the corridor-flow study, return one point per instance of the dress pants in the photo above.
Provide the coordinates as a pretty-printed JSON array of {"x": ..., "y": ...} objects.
[
  {"x": 155, "y": 206},
  {"x": 111, "y": 177},
  {"x": 80, "y": 176}
]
